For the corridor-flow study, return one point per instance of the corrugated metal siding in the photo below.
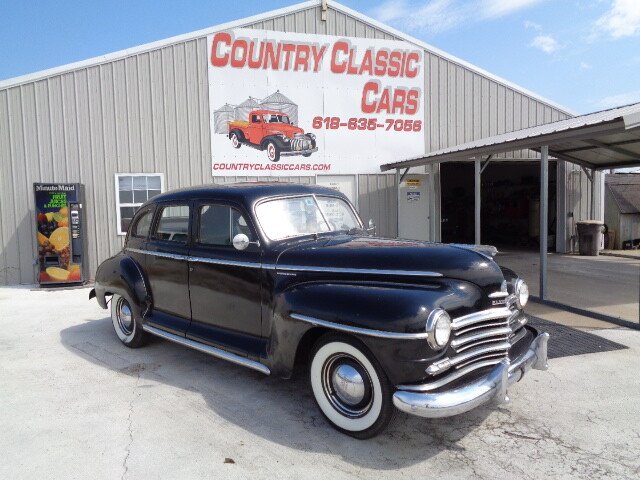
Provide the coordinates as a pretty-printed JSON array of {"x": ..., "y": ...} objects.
[
  {"x": 378, "y": 200},
  {"x": 148, "y": 113}
]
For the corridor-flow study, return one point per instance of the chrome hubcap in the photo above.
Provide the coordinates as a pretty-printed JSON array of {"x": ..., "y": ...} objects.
[
  {"x": 125, "y": 317},
  {"x": 347, "y": 385}
]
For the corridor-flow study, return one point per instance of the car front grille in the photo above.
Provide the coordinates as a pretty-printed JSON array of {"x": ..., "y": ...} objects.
[
  {"x": 485, "y": 337},
  {"x": 300, "y": 142},
  {"x": 481, "y": 339}
]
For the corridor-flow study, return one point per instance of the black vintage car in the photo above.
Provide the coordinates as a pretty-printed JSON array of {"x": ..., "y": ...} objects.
[{"x": 267, "y": 275}]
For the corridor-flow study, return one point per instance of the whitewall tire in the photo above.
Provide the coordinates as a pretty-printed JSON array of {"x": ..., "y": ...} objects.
[
  {"x": 349, "y": 386},
  {"x": 127, "y": 327}
]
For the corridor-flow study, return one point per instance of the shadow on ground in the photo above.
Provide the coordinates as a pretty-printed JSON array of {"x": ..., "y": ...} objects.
[{"x": 281, "y": 411}]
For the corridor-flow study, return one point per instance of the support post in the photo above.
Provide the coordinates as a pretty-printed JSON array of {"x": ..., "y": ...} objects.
[
  {"x": 544, "y": 221},
  {"x": 593, "y": 194},
  {"x": 477, "y": 202},
  {"x": 397, "y": 203}
]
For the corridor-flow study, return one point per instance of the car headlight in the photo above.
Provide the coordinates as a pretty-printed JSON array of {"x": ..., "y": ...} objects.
[
  {"x": 438, "y": 329},
  {"x": 522, "y": 293},
  {"x": 311, "y": 136}
]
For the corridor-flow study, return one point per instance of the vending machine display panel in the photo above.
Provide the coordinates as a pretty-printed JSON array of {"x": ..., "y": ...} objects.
[{"x": 59, "y": 233}]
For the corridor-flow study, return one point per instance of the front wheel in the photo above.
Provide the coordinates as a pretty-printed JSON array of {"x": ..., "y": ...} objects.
[
  {"x": 273, "y": 152},
  {"x": 350, "y": 388},
  {"x": 127, "y": 327}
]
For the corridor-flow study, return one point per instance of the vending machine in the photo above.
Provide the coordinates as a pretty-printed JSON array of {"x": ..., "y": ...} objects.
[{"x": 60, "y": 233}]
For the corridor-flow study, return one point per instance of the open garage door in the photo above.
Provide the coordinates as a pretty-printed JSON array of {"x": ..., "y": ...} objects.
[{"x": 510, "y": 204}]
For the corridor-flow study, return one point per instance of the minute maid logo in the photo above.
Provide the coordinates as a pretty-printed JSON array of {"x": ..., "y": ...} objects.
[{"x": 55, "y": 187}]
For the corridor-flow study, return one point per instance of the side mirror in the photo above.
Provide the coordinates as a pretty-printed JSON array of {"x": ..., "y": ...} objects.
[
  {"x": 372, "y": 227},
  {"x": 241, "y": 241}
]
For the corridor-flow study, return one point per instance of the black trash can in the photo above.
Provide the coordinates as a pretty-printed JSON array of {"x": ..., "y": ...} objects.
[{"x": 589, "y": 236}]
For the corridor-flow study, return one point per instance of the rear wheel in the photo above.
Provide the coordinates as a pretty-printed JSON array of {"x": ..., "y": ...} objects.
[
  {"x": 235, "y": 140},
  {"x": 349, "y": 386},
  {"x": 127, "y": 327}
]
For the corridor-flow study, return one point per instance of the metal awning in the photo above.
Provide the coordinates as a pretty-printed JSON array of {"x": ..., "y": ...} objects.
[
  {"x": 596, "y": 141},
  {"x": 600, "y": 140}
]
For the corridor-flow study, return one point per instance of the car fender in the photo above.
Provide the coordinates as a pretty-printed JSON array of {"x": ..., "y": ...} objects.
[
  {"x": 281, "y": 144},
  {"x": 379, "y": 307},
  {"x": 123, "y": 275},
  {"x": 239, "y": 133}
]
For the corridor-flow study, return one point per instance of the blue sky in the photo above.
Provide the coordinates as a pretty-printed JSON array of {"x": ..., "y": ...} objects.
[{"x": 583, "y": 54}]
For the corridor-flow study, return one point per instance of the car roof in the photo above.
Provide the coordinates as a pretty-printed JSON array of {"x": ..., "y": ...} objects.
[
  {"x": 271, "y": 112},
  {"x": 244, "y": 192}
]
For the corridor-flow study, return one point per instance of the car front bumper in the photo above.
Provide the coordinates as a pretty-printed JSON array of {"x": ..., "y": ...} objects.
[
  {"x": 298, "y": 152},
  {"x": 491, "y": 388}
]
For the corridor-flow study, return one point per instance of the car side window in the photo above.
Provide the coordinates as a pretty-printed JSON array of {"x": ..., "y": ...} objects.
[
  {"x": 255, "y": 118},
  {"x": 142, "y": 224},
  {"x": 173, "y": 224},
  {"x": 220, "y": 223}
]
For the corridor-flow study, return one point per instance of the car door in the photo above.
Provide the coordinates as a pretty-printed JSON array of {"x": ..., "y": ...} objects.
[
  {"x": 254, "y": 129},
  {"x": 136, "y": 241},
  {"x": 225, "y": 282},
  {"x": 167, "y": 267}
]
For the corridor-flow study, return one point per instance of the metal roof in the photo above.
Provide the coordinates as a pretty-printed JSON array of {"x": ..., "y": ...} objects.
[
  {"x": 277, "y": 97},
  {"x": 625, "y": 190},
  {"x": 600, "y": 140}
]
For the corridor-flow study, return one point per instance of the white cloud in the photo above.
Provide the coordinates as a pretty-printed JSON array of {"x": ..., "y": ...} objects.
[
  {"x": 546, "y": 43},
  {"x": 585, "y": 66},
  {"x": 391, "y": 11},
  {"x": 439, "y": 15},
  {"x": 436, "y": 15},
  {"x": 622, "y": 20},
  {"x": 619, "y": 100},
  {"x": 498, "y": 8},
  {"x": 532, "y": 25}
]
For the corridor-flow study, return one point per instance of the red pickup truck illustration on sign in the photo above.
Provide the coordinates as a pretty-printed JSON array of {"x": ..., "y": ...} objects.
[{"x": 272, "y": 131}]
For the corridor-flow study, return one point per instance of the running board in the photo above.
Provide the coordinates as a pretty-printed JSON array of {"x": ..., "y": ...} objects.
[{"x": 213, "y": 351}]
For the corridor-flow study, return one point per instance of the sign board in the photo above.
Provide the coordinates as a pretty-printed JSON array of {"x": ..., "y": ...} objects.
[{"x": 303, "y": 104}]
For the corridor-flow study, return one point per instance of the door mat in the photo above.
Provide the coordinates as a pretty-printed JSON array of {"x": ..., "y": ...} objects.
[{"x": 566, "y": 341}]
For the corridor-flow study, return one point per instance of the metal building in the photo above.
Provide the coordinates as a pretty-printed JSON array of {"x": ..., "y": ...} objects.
[
  {"x": 145, "y": 112},
  {"x": 622, "y": 210}
]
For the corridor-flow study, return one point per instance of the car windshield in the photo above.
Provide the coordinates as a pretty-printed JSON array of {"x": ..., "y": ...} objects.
[
  {"x": 273, "y": 118},
  {"x": 295, "y": 216}
]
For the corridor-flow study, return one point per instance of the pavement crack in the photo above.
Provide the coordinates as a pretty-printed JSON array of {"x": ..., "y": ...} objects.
[{"x": 127, "y": 448}]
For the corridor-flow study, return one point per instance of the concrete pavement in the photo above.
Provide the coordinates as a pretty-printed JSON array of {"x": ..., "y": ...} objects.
[
  {"x": 76, "y": 403},
  {"x": 607, "y": 285}
]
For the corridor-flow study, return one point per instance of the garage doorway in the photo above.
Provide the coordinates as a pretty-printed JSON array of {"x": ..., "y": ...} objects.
[{"x": 510, "y": 198}]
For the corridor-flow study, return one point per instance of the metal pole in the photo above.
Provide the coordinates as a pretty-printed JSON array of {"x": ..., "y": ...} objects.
[
  {"x": 477, "y": 202},
  {"x": 397, "y": 203},
  {"x": 593, "y": 193},
  {"x": 544, "y": 221}
]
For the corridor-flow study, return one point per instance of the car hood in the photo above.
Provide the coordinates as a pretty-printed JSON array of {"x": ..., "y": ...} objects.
[
  {"x": 288, "y": 130},
  {"x": 365, "y": 254}
]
